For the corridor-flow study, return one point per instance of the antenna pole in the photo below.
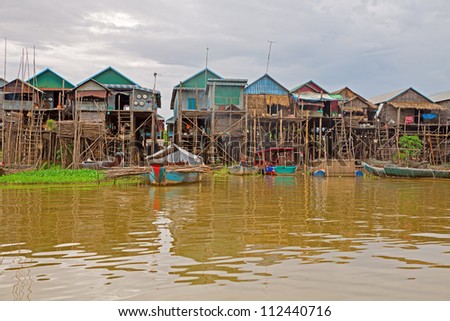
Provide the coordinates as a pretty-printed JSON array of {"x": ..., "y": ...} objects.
[
  {"x": 268, "y": 55},
  {"x": 4, "y": 66}
]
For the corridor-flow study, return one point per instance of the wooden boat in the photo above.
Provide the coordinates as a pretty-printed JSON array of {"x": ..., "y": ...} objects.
[
  {"x": 441, "y": 173},
  {"x": 242, "y": 170},
  {"x": 174, "y": 165},
  {"x": 373, "y": 170},
  {"x": 116, "y": 162},
  {"x": 276, "y": 161},
  {"x": 397, "y": 171},
  {"x": 391, "y": 170},
  {"x": 280, "y": 169}
]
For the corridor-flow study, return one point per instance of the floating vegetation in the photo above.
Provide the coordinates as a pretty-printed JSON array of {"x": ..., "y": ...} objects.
[{"x": 54, "y": 176}]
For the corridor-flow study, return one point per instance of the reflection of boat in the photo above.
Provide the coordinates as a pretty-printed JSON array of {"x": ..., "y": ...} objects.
[
  {"x": 175, "y": 165},
  {"x": 391, "y": 170},
  {"x": 242, "y": 170},
  {"x": 118, "y": 161},
  {"x": 373, "y": 170},
  {"x": 276, "y": 161}
]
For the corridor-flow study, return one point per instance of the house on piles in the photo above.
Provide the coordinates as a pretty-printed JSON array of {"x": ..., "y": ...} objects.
[
  {"x": 208, "y": 115},
  {"x": 265, "y": 97},
  {"x": 22, "y": 123},
  {"x": 317, "y": 101},
  {"x": 54, "y": 86},
  {"x": 118, "y": 114},
  {"x": 407, "y": 107},
  {"x": 273, "y": 106},
  {"x": 355, "y": 109},
  {"x": 189, "y": 103}
]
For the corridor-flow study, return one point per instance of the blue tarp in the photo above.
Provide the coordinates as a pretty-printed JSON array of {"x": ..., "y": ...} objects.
[{"x": 429, "y": 116}]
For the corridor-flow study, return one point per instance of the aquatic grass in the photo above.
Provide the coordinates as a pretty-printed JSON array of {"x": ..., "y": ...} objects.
[
  {"x": 54, "y": 176},
  {"x": 222, "y": 172}
]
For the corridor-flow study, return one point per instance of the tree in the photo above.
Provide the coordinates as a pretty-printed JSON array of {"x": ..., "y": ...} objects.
[{"x": 410, "y": 147}]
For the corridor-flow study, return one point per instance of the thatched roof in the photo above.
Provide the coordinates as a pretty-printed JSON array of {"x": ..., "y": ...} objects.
[
  {"x": 416, "y": 105},
  {"x": 353, "y": 109}
]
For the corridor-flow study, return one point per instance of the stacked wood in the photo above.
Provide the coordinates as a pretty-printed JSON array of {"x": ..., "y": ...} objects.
[
  {"x": 90, "y": 130},
  {"x": 114, "y": 173}
]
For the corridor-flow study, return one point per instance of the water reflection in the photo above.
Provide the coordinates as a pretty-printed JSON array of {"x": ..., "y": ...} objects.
[{"x": 252, "y": 238}]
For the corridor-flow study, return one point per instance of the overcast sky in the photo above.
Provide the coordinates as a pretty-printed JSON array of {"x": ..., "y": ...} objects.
[{"x": 370, "y": 46}]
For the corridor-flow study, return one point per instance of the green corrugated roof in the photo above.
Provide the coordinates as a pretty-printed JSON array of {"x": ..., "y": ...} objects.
[
  {"x": 110, "y": 76},
  {"x": 199, "y": 79},
  {"x": 48, "y": 79}
]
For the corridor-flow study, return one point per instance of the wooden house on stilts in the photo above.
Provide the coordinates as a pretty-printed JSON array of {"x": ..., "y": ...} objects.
[
  {"x": 271, "y": 117},
  {"x": 113, "y": 114},
  {"x": 208, "y": 116},
  {"x": 408, "y": 112}
]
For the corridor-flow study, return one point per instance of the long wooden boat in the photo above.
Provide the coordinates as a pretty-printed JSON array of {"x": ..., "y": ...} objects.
[
  {"x": 390, "y": 170},
  {"x": 373, "y": 170},
  {"x": 241, "y": 170},
  {"x": 174, "y": 165},
  {"x": 397, "y": 171}
]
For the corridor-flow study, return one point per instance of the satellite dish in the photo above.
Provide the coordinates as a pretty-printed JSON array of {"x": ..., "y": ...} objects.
[{"x": 138, "y": 96}]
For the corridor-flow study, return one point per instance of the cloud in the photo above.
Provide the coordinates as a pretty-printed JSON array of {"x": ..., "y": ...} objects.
[{"x": 373, "y": 46}]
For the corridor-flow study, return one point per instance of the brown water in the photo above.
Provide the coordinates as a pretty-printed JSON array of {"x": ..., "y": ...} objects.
[{"x": 228, "y": 238}]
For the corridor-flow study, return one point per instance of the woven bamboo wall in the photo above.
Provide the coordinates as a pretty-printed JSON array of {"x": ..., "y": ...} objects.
[{"x": 261, "y": 102}]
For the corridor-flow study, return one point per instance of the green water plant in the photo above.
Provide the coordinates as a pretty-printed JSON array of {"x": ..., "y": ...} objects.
[{"x": 54, "y": 175}]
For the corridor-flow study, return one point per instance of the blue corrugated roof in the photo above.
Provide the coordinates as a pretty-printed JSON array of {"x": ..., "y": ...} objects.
[{"x": 266, "y": 85}]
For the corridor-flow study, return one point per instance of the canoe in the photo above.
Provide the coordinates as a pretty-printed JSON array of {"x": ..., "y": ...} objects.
[
  {"x": 373, "y": 170},
  {"x": 240, "y": 170}
]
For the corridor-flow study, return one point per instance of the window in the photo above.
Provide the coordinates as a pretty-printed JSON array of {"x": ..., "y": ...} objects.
[{"x": 192, "y": 104}]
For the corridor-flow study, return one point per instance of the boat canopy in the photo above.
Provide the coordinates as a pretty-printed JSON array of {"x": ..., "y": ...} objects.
[{"x": 174, "y": 154}]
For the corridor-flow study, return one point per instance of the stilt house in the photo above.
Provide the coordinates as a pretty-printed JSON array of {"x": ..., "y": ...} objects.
[
  {"x": 407, "y": 107},
  {"x": 265, "y": 96},
  {"x": 355, "y": 109},
  {"x": 316, "y": 100}
]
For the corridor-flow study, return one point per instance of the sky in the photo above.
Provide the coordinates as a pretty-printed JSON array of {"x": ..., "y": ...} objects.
[{"x": 372, "y": 47}]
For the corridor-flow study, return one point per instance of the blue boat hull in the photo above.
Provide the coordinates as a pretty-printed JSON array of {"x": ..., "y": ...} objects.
[
  {"x": 168, "y": 177},
  {"x": 281, "y": 170}
]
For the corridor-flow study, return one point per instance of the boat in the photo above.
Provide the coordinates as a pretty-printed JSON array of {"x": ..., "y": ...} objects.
[
  {"x": 243, "y": 169},
  {"x": 174, "y": 165},
  {"x": 398, "y": 171},
  {"x": 374, "y": 170},
  {"x": 276, "y": 161},
  {"x": 109, "y": 164},
  {"x": 392, "y": 170}
]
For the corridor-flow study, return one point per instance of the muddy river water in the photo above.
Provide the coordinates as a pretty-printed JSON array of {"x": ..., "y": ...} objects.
[{"x": 228, "y": 238}]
